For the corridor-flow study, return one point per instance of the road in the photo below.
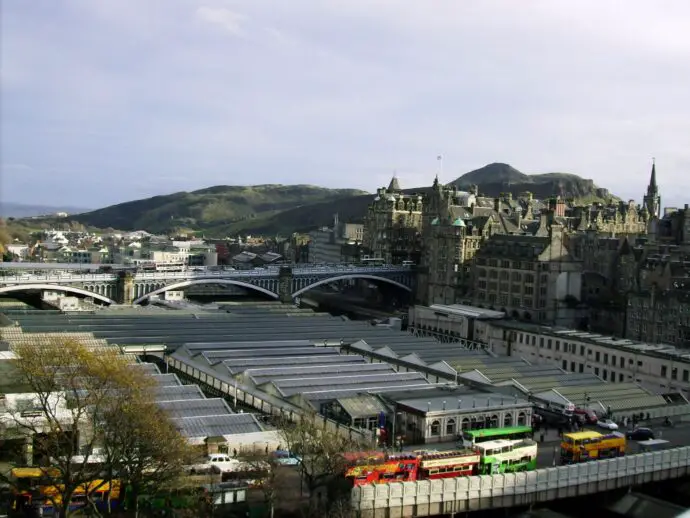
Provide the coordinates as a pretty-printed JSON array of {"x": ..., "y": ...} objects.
[{"x": 549, "y": 449}]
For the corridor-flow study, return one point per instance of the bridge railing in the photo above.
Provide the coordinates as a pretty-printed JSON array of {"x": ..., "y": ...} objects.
[
  {"x": 30, "y": 279},
  {"x": 203, "y": 274},
  {"x": 462, "y": 494}
]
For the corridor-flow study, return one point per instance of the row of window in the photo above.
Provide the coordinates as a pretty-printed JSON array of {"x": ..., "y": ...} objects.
[
  {"x": 475, "y": 423},
  {"x": 604, "y": 358},
  {"x": 502, "y": 299},
  {"x": 606, "y": 375},
  {"x": 572, "y": 348}
]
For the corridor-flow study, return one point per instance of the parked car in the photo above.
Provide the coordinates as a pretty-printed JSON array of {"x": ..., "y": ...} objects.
[
  {"x": 586, "y": 416},
  {"x": 217, "y": 463},
  {"x": 640, "y": 434},
  {"x": 607, "y": 424},
  {"x": 286, "y": 458}
]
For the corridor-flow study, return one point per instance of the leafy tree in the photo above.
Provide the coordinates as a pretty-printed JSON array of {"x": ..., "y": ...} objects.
[
  {"x": 142, "y": 445},
  {"x": 89, "y": 420}
]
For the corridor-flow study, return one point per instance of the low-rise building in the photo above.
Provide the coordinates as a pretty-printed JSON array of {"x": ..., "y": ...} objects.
[
  {"x": 616, "y": 360},
  {"x": 441, "y": 414},
  {"x": 448, "y": 323}
]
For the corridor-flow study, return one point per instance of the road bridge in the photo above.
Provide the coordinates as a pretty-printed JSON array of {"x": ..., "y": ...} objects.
[
  {"x": 284, "y": 283},
  {"x": 464, "y": 494}
]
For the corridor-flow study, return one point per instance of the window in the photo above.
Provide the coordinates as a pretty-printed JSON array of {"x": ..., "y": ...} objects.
[
  {"x": 597, "y": 357},
  {"x": 613, "y": 360},
  {"x": 664, "y": 371},
  {"x": 604, "y": 374},
  {"x": 558, "y": 345},
  {"x": 435, "y": 428},
  {"x": 674, "y": 373},
  {"x": 450, "y": 427},
  {"x": 541, "y": 343},
  {"x": 572, "y": 366},
  {"x": 548, "y": 344},
  {"x": 596, "y": 371},
  {"x": 686, "y": 375},
  {"x": 622, "y": 362},
  {"x": 606, "y": 358},
  {"x": 581, "y": 368},
  {"x": 582, "y": 350},
  {"x": 620, "y": 377},
  {"x": 565, "y": 365}
]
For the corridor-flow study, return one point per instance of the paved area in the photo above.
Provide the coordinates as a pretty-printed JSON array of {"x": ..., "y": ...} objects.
[{"x": 549, "y": 450}]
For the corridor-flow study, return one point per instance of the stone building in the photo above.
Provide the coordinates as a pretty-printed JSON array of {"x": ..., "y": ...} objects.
[
  {"x": 393, "y": 225},
  {"x": 455, "y": 224},
  {"x": 529, "y": 277}
]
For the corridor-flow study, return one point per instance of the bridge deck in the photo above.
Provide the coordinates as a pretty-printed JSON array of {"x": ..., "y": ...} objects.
[{"x": 463, "y": 494}]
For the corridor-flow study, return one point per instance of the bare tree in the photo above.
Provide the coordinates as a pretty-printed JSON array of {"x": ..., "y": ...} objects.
[
  {"x": 323, "y": 462},
  {"x": 272, "y": 475}
]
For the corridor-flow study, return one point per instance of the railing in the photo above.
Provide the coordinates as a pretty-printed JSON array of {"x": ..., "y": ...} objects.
[
  {"x": 32, "y": 279},
  {"x": 462, "y": 494}
]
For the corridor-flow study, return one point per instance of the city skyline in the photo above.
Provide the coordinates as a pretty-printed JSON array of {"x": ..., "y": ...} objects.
[{"x": 105, "y": 102}]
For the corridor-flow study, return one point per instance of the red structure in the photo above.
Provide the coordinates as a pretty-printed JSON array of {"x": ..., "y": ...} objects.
[{"x": 411, "y": 466}]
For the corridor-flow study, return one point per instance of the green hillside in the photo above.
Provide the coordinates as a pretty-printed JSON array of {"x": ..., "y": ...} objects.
[
  {"x": 282, "y": 209},
  {"x": 223, "y": 209}
]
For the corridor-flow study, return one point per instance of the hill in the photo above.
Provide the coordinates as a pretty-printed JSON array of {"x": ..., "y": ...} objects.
[
  {"x": 220, "y": 209},
  {"x": 496, "y": 178},
  {"x": 282, "y": 209}
]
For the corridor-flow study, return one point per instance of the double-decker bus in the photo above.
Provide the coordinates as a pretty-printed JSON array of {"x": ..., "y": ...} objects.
[
  {"x": 470, "y": 438},
  {"x": 411, "y": 466},
  {"x": 33, "y": 487},
  {"x": 507, "y": 456},
  {"x": 585, "y": 446}
]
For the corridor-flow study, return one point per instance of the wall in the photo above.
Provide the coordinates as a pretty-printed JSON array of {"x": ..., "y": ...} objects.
[
  {"x": 424, "y": 317},
  {"x": 435, "y": 427},
  {"x": 585, "y": 356}
]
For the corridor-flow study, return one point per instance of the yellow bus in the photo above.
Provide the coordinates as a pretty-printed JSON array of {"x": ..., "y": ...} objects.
[
  {"x": 585, "y": 446},
  {"x": 33, "y": 485}
]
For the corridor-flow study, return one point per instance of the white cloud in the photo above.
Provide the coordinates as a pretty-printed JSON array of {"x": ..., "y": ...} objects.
[
  {"x": 339, "y": 93},
  {"x": 229, "y": 20}
]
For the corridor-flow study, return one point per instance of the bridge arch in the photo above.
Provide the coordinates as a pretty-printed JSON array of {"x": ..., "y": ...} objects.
[
  {"x": 209, "y": 280},
  {"x": 57, "y": 287},
  {"x": 350, "y": 276}
]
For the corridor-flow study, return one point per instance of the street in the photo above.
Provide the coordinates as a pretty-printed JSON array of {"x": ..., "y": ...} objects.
[{"x": 549, "y": 450}]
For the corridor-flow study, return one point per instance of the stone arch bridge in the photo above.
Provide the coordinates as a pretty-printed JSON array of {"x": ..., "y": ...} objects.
[{"x": 280, "y": 283}]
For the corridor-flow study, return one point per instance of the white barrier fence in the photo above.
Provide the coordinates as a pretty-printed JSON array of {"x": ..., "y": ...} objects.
[{"x": 462, "y": 494}]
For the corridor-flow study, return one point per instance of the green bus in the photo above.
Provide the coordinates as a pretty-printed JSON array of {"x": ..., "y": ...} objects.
[
  {"x": 470, "y": 438},
  {"x": 507, "y": 456}
]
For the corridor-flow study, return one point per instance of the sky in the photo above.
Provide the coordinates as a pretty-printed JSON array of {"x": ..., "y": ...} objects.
[{"x": 113, "y": 100}]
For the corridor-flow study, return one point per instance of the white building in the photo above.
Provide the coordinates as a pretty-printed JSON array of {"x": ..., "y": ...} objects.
[{"x": 617, "y": 360}]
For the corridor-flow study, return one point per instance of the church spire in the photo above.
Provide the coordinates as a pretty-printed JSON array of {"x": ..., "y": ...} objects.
[
  {"x": 652, "y": 180},
  {"x": 652, "y": 200}
]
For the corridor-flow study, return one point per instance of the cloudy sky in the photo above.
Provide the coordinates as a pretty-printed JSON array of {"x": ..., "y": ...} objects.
[{"x": 110, "y": 100}]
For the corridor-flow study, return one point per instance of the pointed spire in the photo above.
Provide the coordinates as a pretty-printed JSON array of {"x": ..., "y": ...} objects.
[
  {"x": 394, "y": 186},
  {"x": 652, "y": 180}
]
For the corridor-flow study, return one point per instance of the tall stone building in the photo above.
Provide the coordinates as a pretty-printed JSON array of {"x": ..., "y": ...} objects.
[
  {"x": 392, "y": 230},
  {"x": 529, "y": 277}
]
